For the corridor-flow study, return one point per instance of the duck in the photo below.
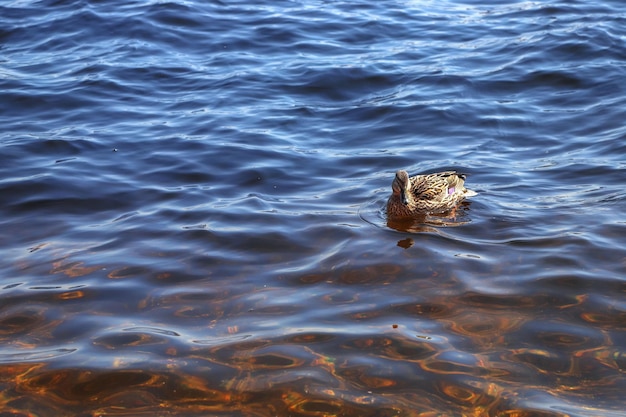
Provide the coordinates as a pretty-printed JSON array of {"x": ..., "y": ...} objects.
[{"x": 419, "y": 195}]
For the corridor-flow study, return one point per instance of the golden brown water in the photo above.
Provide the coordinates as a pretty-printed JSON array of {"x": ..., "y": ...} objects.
[{"x": 366, "y": 338}]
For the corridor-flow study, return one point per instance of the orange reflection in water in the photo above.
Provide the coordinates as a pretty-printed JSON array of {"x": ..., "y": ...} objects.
[{"x": 433, "y": 351}]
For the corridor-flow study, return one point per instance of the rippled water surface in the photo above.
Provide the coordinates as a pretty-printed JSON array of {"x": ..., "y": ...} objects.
[{"x": 192, "y": 208}]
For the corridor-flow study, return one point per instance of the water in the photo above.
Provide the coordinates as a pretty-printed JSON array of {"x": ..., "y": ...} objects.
[{"x": 192, "y": 194}]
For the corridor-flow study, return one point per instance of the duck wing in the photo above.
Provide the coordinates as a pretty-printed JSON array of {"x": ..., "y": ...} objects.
[{"x": 437, "y": 186}]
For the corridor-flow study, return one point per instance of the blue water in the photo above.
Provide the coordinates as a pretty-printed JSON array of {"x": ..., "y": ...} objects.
[{"x": 192, "y": 208}]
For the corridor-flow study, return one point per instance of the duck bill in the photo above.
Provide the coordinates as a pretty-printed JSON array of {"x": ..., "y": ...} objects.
[{"x": 405, "y": 200}]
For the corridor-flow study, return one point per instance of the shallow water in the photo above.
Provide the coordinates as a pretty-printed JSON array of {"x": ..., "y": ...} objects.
[{"x": 192, "y": 194}]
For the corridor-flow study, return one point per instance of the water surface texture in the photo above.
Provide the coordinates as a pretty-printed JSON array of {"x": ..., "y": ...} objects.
[{"x": 192, "y": 208}]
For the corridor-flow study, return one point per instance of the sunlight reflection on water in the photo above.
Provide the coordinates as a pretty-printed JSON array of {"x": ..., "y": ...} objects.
[{"x": 198, "y": 227}]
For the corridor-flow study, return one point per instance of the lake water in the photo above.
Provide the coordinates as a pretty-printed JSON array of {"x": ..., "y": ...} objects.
[{"x": 192, "y": 208}]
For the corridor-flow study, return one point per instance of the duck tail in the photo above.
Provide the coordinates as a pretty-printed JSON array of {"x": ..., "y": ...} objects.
[{"x": 458, "y": 183}]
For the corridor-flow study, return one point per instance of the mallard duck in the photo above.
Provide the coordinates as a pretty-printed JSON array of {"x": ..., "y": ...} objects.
[{"x": 423, "y": 194}]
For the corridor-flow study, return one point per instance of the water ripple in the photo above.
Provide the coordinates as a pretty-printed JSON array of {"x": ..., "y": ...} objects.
[{"x": 192, "y": 204}]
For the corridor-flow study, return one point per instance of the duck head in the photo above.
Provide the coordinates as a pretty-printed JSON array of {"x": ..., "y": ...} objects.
[{"x": 401, "y": 186}]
